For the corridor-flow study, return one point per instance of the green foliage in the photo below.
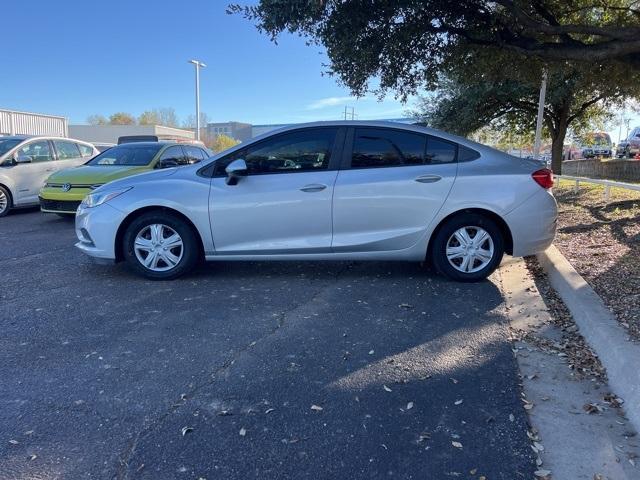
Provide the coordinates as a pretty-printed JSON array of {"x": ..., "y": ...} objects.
[
  {"x": 222, "y": 142},
  {"x": 149, "y": 117},
  {"x": 406, "y": 44},
  {"x": 500, "y": 90},
  {"x": 122, "y": 118},
  {"x": 97, "y": 120}
]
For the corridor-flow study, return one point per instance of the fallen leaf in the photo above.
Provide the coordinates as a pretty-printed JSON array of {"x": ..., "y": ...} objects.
[
  {"x": 456, "y": 444},
  {"x": 542, "y": 473},
  {"x": 386, "y": 389},
  {"x": 14, "y": 442},
  {"x": 33, "y": 457},
  {"x": 458, "y": 402},
  {"x": 317, "y": 408},
  {"x": 370, "y": 352},
  {"x": 511, "y": 417},
  {"x": 269, "y": 410},
  {"x": 186, "y": 430},
  {"x": 409, "y": 405},
  {"x": 243, "y": 432}
]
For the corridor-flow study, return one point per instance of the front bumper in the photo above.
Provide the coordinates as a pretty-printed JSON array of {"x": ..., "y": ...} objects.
[
  {"x": 58, "y": 206},
  {"x": 96, "y": 229},
  {"x": 54, "y": 200}
]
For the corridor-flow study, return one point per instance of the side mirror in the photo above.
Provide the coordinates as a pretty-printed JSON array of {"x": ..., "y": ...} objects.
[
  {"x": 168, "y": 163},
  {"x": 22, "y": 159},
  {"x": 235, "y": 170}
]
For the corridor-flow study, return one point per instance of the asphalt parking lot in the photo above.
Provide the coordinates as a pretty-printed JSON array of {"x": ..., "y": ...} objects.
[{"x": 249, "y": 370}]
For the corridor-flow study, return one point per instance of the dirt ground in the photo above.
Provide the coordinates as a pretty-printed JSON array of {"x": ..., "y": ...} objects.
[{"x": 602, "y": 241}]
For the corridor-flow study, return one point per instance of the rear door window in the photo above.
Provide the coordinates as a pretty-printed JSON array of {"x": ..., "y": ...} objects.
[
  {"x": 380, "y": 147},
  {"x": 85, "y": 150},
  {"x": 440, "y": 151},
  {"x": 175, "y": 154},
  {"x": 66, "y": 150}
]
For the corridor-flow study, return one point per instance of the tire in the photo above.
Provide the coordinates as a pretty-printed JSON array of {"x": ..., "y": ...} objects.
[
  {"x": 5, "y": 201},
  {"x": 491, "y": 249},
  {"x": 170, "y": 262}
]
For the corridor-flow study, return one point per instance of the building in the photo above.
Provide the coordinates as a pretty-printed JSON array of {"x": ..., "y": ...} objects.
[
  {"x": 110, "y": 133},
  {"x": 238, "y": 130},
  {"x": 26, "y": 123},
  {"x": 245, "y": 131}
]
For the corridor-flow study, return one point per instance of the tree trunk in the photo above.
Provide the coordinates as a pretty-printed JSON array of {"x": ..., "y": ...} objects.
[{"x": 557, "y": 140}]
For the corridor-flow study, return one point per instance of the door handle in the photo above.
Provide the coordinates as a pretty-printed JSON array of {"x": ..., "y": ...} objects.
[
  {"x": 428, "y": 178},
  {"x": 313, "y": 187}
]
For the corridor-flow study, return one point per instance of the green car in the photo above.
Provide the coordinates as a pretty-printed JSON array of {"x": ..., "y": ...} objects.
[{"x": 64, "y": 190}]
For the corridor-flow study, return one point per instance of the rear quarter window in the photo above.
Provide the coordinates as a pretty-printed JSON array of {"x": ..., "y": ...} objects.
[{"x": 466, "y": 154}]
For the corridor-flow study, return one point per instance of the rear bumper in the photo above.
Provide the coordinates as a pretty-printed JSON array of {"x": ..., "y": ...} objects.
[{"x": 533, "y": 224}]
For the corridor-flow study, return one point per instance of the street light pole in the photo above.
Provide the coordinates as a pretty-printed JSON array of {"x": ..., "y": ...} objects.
[
  {"x": 543, "y": 92},
  {"x": 198, "y": 66}
]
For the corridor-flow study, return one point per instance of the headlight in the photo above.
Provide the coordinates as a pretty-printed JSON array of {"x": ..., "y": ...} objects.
[{"x": 98, "y": 198}]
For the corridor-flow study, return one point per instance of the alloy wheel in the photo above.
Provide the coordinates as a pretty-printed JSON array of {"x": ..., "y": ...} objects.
[
  {"x": 470, "y": 249},
  {"x": 158, "y": 247},
  {"x": 4, "y": 202}
]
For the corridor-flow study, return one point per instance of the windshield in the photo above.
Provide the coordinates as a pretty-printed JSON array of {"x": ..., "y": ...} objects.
[
  {"x": 7, "y": 144},
  {"x": 127, "y": 155}
]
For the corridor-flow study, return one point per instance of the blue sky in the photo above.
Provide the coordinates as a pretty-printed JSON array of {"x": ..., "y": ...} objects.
[{"x": 75, "y": 58}]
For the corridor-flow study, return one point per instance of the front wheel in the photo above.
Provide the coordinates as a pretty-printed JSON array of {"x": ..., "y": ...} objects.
[
  {"x": 5, "y": 201},
  {"x": 468, "y": 248},
  {"x": 160, "y": 246}
]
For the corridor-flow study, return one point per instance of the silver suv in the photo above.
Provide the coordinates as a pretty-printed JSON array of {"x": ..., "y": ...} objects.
[{"x": 27, "y": 161}]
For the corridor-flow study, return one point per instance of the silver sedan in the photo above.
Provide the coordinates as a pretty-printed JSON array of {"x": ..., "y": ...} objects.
[{"x": 328, "y": 191}]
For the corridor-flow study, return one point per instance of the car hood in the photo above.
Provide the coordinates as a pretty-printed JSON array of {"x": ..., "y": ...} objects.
[
  {"x": 91, "y": 175},
  {"x": 148, "y": 175}
]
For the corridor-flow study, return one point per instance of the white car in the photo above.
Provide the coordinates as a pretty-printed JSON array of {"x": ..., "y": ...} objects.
[
  {"x": 27, "y": 161},
  {"x": 328, "y": 191}
]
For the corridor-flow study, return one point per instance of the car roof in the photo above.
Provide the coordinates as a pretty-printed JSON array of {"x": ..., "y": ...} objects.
[{"x": 415, "y": 127}]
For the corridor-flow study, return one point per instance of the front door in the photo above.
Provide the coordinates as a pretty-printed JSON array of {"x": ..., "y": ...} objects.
[
  {"x": 393, "y": 184},
  {"x": 283, "y": 205},
  {"x": 29, "y": 177}
]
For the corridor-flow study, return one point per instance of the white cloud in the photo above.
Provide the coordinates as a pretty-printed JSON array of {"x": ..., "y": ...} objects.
[{"x": 329, "y": 102}]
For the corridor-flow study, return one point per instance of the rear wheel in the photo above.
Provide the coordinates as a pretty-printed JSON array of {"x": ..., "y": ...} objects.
[
  {"x": 468, "y": 248},
  {"x": 160, "y": 246},
  {"x": 5, "y": 201}
]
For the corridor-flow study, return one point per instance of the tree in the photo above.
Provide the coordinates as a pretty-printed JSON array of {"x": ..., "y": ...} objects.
[
  {"x": 222, "y": 142},
  {"x": 122, "y": 118},
  {"x": 405, "y": 43},
  {"x": 483, "y": 88},
  {"x": 97, "y": 119},
  {"x": 190, "y": 121},
  {"x": 167, "y": 116},
  {"x": 149, "y": 117}
]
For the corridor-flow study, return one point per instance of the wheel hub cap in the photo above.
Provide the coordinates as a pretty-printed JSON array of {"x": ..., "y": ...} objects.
[
  {"x": 158, "y": 247},
  {"x": 470, "y": 249}
]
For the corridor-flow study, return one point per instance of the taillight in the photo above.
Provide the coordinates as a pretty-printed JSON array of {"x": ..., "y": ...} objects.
[{"x": 543, "y": 177}]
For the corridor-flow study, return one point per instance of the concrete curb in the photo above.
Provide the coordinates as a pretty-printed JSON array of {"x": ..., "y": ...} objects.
[{"x": 600, "y": 329}]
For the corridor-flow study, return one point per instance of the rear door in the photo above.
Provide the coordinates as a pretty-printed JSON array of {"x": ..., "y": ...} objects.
[
  {"x": 68, "y": 153},
  {"x": 29, "y": 177},
  {"x": 392, "y": 184}
]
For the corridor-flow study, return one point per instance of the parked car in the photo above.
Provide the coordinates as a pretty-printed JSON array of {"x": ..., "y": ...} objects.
[
  {"x": 64, "y": 190},
  {"x": 27, "y": 161},
  {"x": 328, "y": 191},
  {"x": 597, "y": 144},
  {"x": 103, "y": 146},
  {"x": 630, "y": 147}
]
